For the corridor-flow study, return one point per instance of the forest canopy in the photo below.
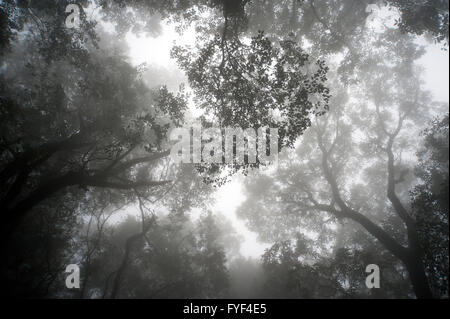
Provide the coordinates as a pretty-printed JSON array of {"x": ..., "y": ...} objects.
[{"x": 361, "y": 176}]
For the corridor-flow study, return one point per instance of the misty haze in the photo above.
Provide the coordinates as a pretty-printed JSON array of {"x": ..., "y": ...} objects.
[{"x": 349, "y": 201}]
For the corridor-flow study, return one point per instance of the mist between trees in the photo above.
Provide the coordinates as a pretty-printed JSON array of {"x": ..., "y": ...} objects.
[{"x": 87, "y": 177}]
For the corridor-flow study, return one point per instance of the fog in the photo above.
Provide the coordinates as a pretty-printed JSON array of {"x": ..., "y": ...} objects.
[{"x": 100, "y": 201}]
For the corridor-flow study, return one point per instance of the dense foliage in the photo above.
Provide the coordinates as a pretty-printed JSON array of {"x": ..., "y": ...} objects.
[{"x": 362, "y": 175}]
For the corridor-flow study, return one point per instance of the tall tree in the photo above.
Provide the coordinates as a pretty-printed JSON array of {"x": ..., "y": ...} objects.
[
  {"x": 349, "y": 165},
  {"x": 430, "y": 203}
]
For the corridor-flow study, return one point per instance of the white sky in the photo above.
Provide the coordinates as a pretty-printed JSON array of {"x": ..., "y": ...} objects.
[
  {"x": 436, "y": 74},
  {"x": 156, "y": 52}
]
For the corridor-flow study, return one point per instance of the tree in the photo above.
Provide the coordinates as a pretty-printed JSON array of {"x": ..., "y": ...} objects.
[
  {"x": 77, "y": 118},
  {"x": 84, "y": 137},
  {"x": 420, "y": 17},
  {"x": 173, "y": 258},
  {"x": 348, "y": 166},
  {"x": 86, "y": 122},
  {"x": 430, "y": 204}
]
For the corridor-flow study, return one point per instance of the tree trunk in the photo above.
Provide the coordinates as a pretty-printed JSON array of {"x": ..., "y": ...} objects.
[
  {"x": 120, "y": 272},
  {"x": 418, "y": 278}
]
